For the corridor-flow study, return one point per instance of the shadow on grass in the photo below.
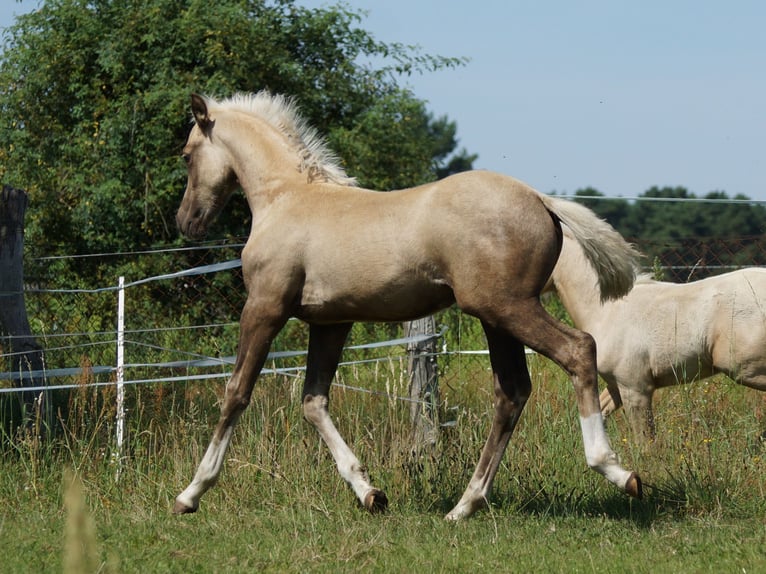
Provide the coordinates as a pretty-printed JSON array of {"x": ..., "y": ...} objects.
[{"x": 669, "y": 500}]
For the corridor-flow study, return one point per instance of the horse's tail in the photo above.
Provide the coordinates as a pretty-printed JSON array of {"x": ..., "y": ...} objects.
[{"x": 614, "y": 259}]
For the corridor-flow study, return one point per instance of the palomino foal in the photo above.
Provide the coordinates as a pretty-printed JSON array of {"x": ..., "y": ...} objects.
[{"x": 329, "y": 253}]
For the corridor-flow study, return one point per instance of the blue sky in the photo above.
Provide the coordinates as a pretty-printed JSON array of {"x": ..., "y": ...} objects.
[{"x": 615, "y": 95}]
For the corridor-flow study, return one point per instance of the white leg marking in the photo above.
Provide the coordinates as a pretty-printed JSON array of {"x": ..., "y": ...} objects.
[
  {"x": 471, "y": 501},
  {"x": 599, "y": 454},
  {"x": 207, "y": 472},
  {"x": 315, "y": 411}
]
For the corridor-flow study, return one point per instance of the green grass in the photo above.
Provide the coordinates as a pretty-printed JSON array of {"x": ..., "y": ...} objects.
[{"x": 280, "y": 505}]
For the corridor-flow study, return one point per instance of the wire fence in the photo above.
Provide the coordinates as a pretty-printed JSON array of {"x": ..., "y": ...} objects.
[
  {"x": 689, "y": 259},
  {"x": 183, "y": 326},
  {"x": 180, "y": 327}
]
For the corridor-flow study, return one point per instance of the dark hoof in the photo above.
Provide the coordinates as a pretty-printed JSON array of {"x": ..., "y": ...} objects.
[
  {"x": 634, "y": 487},
  {"x": 376, "y": 501},
  {"x": 180, "y": 508}
]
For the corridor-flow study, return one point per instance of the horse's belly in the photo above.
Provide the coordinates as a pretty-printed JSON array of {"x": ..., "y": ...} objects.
[{"x": 370, "y": 302}]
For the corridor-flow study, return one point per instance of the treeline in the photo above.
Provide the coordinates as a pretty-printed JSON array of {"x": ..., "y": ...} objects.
[
  {"x": 93, "y": 130},
  {"x": 689, "y": 237},
  {"x": 94, "y": 112}
]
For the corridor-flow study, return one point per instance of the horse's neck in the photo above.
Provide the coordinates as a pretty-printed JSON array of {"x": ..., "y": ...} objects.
[
  {"x": 577, "y": 284},
  {"x": 274, "y": 161},
  {"x": 270, "y": 160}
]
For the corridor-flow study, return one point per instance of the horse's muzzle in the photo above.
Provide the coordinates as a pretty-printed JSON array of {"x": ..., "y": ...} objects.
[{"x": 191, "y": 226}]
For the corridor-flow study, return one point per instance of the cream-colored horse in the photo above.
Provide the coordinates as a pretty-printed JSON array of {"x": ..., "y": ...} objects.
[
  {"x": 329, "y": 253},
  {"x": 663, "y": 334}
]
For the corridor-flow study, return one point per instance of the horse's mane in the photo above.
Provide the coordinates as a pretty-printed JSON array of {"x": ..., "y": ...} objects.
[{"x": 317, "y": 160}]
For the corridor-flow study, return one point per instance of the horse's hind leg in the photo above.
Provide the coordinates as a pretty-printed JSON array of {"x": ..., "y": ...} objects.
[
  {"x": 325, "y": 347},
  {"x": 512, "y": 387},
  {"x": 637, "y": 402},
  {"x": 257, "y": 329},
  {"x": 575, "y": 352}
]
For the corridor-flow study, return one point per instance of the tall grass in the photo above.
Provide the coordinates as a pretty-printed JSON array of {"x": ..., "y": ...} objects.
[{"x": 281, "y": 506}]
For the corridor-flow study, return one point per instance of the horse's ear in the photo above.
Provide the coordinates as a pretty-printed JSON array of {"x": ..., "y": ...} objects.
[{"x": 199, "y": 110}]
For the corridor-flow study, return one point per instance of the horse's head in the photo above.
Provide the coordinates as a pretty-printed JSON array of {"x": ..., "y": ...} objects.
[{"x": 211, "y": 178}]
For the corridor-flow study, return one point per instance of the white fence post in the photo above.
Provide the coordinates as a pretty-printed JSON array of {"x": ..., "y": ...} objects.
[{"x": 120, "y": 373}]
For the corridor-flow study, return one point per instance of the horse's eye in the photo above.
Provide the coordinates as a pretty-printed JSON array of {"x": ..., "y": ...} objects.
[{"x": 186, "y": 157}]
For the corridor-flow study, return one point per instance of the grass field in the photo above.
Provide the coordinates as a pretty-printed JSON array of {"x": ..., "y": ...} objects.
[{"x": 281, "y": 506}]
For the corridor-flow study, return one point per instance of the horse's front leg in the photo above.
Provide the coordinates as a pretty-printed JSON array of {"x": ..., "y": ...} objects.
[
  {"x": 637, "y": 401},
  {"x": 512, "y": 387},
  {"x": 259, "y": 324},
  {"x": 325, "y": 347}
]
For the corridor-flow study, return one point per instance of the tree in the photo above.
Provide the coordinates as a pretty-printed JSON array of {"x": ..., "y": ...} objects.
[
  {"x": 676, "y": 229},
  {"x": 396, "y": 143},
  {"x": 94, "y": 106},
  {"x": 94, "y": 113}
]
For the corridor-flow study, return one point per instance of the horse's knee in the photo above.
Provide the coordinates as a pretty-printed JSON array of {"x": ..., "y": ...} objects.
[
  {"x": 516, "y": 391},
  {"x": 523, "y": 387},
  {"x": 581, "y": 349},
  {"x": 582, "y": 365},
  {"x": 508, "y": 408}
]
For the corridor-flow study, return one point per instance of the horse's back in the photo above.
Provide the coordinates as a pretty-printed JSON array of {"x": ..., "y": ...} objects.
[
  {"x": 475, "y": 237},
  {"x": 739, "y": 303},
  {"x": 725, "y": 314}
]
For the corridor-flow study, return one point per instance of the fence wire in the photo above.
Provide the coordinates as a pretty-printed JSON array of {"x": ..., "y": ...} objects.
[{"x": 183, "y": 325}]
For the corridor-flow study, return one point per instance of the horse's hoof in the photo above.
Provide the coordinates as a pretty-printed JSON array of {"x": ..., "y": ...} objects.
[
  {"x": 376, "y": 501},
  {"x": 634, "y": 487},
  {"x": 181, "y": 508}
]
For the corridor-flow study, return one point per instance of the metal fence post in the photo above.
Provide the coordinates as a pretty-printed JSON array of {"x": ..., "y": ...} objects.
[{"x": 120, "y": 372}]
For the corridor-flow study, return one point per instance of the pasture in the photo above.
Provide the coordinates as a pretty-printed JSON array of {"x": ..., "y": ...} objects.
[{"x": 280, "y": 505}]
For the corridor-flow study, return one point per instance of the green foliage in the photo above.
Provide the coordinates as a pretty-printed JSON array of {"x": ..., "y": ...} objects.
[
  {"x": 665, "y": 219},
  {"x": 396, "y": 143},
  {"x": 676, "y": 229},
  {"x": 94, "y": 106}
]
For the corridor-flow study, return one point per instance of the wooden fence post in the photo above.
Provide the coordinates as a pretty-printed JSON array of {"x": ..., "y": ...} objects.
[
  {"x": 26, "y": 354},
  {"x": 424, "y": 383}
]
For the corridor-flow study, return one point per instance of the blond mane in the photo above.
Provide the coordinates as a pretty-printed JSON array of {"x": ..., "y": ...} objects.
[{"x": 316, "y": 159}]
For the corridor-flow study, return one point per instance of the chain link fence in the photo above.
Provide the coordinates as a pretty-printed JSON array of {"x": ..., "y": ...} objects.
[{"x": 689, "y": 259}]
